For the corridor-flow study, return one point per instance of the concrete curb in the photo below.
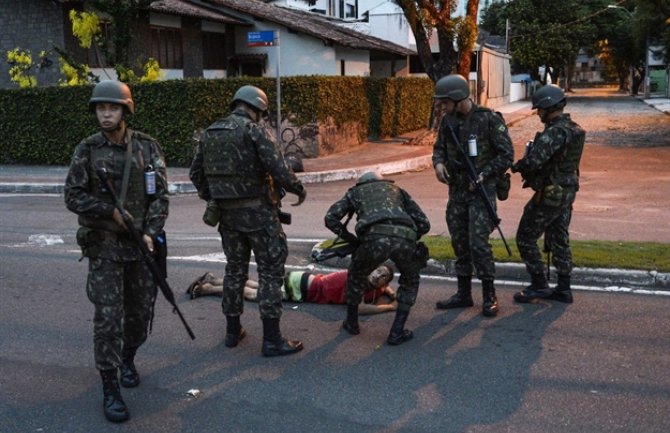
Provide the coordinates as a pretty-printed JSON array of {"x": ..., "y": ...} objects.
[
  {"x": 31, "y": 188},
  {"x": 186, "y": 187},
  {"x": 600, "y": 277},
  {"x": 410, "y": 164}
]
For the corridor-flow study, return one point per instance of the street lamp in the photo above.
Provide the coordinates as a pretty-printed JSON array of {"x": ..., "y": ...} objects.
[{"x": 647, "y": 79}]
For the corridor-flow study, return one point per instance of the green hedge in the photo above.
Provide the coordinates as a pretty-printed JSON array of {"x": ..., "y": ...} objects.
[{"x": 42, "y": 126}]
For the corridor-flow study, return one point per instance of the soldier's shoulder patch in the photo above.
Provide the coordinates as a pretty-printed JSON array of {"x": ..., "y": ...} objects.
[{"x": 502, "y": 128}]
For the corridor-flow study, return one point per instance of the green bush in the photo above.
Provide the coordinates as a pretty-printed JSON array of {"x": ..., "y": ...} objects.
[{"x": 43, "y": 125}]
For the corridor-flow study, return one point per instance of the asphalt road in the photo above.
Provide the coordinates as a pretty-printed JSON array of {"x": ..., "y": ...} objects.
[{"x": 599, "y": 365}]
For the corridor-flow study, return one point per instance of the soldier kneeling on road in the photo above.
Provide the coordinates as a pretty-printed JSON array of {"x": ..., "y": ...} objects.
[{"x": 389, "y": 224}]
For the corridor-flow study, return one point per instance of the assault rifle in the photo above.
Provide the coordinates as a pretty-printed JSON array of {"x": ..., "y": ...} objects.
[
  {"x": 474, "y": 178},
  {"x": 146, "y": 254},
  {"x": 339, "y": 247}
]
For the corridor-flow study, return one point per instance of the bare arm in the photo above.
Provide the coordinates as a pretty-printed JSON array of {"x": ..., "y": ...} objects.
[{"x": 369, "y": 309}]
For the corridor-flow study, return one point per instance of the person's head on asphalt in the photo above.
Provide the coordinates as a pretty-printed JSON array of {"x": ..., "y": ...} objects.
[
  {"x": 111, "y": 101},
  {"x": 549, "y": 102},
  {"x": 453, "y": 93},
  {"x": 253, "y": 99},
  {"x": 381, "y": 276}
]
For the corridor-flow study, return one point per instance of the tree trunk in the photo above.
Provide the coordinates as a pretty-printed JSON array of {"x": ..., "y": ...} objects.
[{"x": 465, "y": 57}]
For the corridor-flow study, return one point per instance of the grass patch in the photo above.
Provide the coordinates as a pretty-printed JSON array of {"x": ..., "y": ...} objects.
[{"x": 647, "y": 256}]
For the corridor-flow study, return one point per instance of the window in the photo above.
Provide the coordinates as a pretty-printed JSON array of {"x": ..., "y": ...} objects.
[
  {"x": 350, "y": 11},
  {"x": 214, "y": 50},
  {"x": 166, "y": 47}
]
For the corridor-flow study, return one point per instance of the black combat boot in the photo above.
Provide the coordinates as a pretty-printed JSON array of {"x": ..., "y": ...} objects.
[
  {"x": 130, "y": 378},
  {"x": 538, "y": 289},
  {"x": 234, "y": 331},
  {"x": 399, "y": 334},
  {"x": 273, "y": 342},
  {"x": 113, "y": 405},
  {"x": 462, "y": 298},
  {"x": 489, "y": 299},
  {"x": 350, "y": 324},
  {"x": 562, "y": 293}
]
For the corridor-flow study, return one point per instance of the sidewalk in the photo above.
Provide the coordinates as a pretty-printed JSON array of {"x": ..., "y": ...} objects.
[
  {"x": 397, "y": 156},
  {"x": 386, "y": 156}
]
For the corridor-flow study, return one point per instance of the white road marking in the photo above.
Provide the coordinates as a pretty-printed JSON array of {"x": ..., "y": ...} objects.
[{"x": 220, "y": 257}]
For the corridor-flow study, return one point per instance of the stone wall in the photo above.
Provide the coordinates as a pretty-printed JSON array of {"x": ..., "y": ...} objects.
[{"x": 36, "y": 24}]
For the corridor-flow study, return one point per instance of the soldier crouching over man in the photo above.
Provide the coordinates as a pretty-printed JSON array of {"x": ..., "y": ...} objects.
[
  {"x": 120, "y": 284},
  {"x": 236, "y": 168},
  {"x": 389, "y": 224}
]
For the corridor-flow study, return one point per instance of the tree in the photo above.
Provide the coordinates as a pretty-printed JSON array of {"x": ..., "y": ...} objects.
[
  {"x": 122, "y": 14},
  {"x": 544, "y": 33},
  {"x": 428, "y": 16}
]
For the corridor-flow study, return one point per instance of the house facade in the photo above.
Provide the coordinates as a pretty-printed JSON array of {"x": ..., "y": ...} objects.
[{"x": 208, "y": 38}]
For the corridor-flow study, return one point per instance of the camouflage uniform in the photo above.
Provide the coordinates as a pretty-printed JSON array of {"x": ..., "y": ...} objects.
[
  {"x": 236, "y": 166},
  {"x": 389, "y": 223},
  {"x": 551, "y": 169},
  {"x": 119, "y": 283},
  {"x": 468, "y": 222}
]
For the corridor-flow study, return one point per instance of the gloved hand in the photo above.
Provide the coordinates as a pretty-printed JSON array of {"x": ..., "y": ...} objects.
[
  {"x": 516, "y": 167},
  {"x": 301, "y": 198},
  {"x": 441, "y": 173},
  {"x": 349, "y": 237}
]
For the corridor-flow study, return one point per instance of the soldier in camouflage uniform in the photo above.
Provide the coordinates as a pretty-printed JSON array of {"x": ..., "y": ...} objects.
[
  {"x": 239, "y": 170},
  {"x": 551, "y": 168},
  {"x": 389, "y": 223},
  {"x": 490, "y": 148},
  {"x": 120, "y": 284}
]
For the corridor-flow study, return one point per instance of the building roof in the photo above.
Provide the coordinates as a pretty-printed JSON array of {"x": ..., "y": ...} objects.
[
  {"x": 301, "y": 21},
  {"x": 311, "y": 24},
  {"x": 182, "y": 8}
]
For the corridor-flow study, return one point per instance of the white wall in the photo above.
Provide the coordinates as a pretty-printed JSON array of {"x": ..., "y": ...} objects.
[
  {"x": 300, "y": 55},
  {"x": 392, "y": 27},
  {"x": 356, "y": 62}
]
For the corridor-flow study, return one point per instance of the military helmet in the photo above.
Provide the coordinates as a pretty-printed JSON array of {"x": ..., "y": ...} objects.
[
  {"x": 453, "y": 87},
  {"x": 369, "y": 176},
  {"x": 112, "y": 91},
  {"x": 549, "y": 96},
  {"x": 251, "y": 95}
]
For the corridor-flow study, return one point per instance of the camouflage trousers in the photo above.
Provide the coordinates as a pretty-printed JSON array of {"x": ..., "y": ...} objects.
[
  {"x": 373, "y": 251},
  {"x": 470, "y": 226},
  {"x": 270, "y": 250},
  {"x": 553, "y": 222},
  {"x": 123, "y": 294}
]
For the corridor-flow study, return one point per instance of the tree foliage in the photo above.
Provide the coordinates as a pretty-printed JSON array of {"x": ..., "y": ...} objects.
[
  {"x": 551, "y": 33},
  {"x": 122, "y": 14},
  {"x": 426, "y": 17}
]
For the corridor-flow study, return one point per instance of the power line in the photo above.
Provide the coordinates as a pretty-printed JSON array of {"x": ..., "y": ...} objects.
[{"x": 560, "y": 25}]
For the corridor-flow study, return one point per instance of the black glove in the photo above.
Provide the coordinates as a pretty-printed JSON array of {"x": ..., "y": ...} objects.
[
  {"x": 301, "y": 198},
  {"x": 348, "y": 237},
  {"x": 516, "y": 167}
]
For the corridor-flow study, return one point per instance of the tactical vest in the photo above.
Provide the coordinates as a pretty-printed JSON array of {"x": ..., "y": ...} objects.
[
  {"x": 564, "y": 168},
  {"x": 479, "y": 125},
  {"x": 113, "y": 158},
  {"x": 230, "y": 161},
  {"x": 378, "y": 201}
]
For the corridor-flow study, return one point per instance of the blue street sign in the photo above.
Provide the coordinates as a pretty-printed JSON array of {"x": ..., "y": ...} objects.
[{"x": 261, "y": 39}]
